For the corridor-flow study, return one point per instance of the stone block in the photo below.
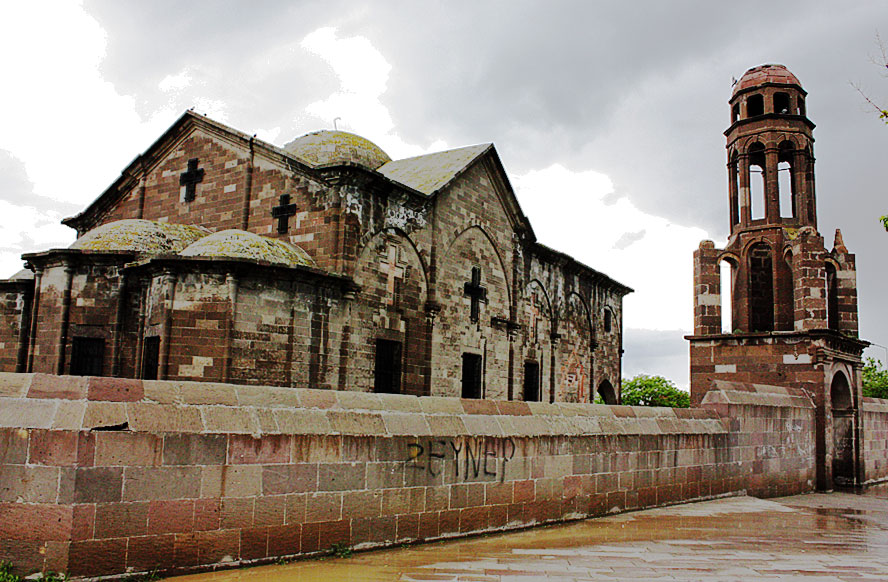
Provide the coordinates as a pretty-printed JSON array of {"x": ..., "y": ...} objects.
[
  {"x": 405, "y": 424},
  {"x": 104, "y": 414},
  {"x": 14, "y": 385},
  {"x": 121, "y": 520},
  {"x": 356, "y": 423},
  {"x": 14, "y": 446},
  {"x": 230, "y": 480},
  {"x": 152, "y": 483},
  {"x": 27, "y": 412},
  {"x": 52, "y": 386},
  {"x": 29, "y": 484},
  {"x": 52, "y": 447},
  {"x": 294, "y": 478},
  {"x": 114, "y": 389},
  {"x": 97, "y": 557},
  {"x": 268, "y": 449},
  {"x": 195, "y": 449},
  {"x": 268, "y": 397},
  {"x": 37, "y": 522},
  {"x": 284, "y": 540},
  {"x": 207, "y": 514},
  {"x": 216, "y": 546},
  {"x": 270, "y": 510},
  {"x": 69, "y": 415},
  {"x": 149, "y": 553},
  {"x": 127, "y": 449},
  {"x": 253, "y": 543},
  {"x": 223, "y": 419},
  {"x": 163, "y": 418},
  {"x": 302, "y": 422},
  {"x": 341, "y": 476},
  {"x": 237, "y": 512},
  {"x": 322, "y": 507}
]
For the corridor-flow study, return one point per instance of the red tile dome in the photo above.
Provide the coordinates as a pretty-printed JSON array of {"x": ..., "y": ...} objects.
[{"x": 764, "y": 74}]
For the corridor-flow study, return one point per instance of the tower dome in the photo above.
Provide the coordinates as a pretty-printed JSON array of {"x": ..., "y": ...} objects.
[
  {"x": 326, "y": 147},
  {"x": 766, "y": 75}
]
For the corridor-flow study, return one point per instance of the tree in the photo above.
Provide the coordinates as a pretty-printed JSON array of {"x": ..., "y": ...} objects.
[
  {"x": 875, "y": 379},
  {"x": 643, "y": 390},
  {"x": 880, "y": 61}
]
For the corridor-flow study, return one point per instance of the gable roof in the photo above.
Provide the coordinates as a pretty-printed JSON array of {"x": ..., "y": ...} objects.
[{"x": 430, "y": 173}]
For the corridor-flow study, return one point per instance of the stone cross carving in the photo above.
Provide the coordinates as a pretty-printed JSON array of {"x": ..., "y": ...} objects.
[
  {"x": 395, "y": 269},
  {"x": 476, "y": 292},
  {"x": 190, "y": 178},
  {"x": 283, "y": 213}
]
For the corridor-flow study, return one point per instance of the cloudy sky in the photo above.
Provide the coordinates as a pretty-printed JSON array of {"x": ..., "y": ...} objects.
[{"x": 608, "y": 116}]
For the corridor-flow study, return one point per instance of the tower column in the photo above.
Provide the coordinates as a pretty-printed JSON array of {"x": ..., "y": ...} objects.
[
  {"x": 772, "y": 188},
  {"x": 744, "y": 189}
]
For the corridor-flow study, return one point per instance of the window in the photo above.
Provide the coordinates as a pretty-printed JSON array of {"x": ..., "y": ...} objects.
[
  {"x": 755, "y": 105},
  {"x": 735, "y": 112},
  {"x": 758, "y": 208},
  {"x": 150, "y": 357},
  {"x": 531, "y": 382},
  {"x": 387, "y": 373},
  {"x": 471, "y": 375},
  {"x": 87, "y": 356},
  {"x": 608, "y": 324},
  {"x": 832, "y": 298},
  {"x": 781, "y": 103},
  {"x": 761, "y": 289}
]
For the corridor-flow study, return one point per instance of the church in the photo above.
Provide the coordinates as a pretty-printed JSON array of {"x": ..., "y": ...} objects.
[{"x": 218, "y": 257}]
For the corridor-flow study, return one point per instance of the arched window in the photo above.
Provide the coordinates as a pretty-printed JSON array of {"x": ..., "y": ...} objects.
[
  {"x": 735, "y": 112},
  {"x": 801, "y": 105},
  {"x": 761, "y": 288},
  {"x": 734, "y": 187},
  {"x": 781, "y": 103},
  {"x": 607, "y": 392},
  {"x": 608, "y": 324},
  {"x": 727, "y": 268},
  {"x": 786, "y": 180},
  {"x": 840, "y": 393},
  {"x": 757, "y": 181},
  {"x": 755, "y": 105},
  {"x": 832, "y": 297}
]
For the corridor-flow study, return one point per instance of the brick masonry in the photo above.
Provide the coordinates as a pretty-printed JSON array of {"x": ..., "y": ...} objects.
[{"x": 207, "y": 473}]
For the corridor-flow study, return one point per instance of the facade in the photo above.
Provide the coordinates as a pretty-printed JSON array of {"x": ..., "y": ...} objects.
[
  {"x": 793, "y": 302},
  {"x": 324, "y": 264}
]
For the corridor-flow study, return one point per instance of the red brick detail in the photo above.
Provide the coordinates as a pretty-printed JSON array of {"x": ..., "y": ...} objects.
[
  {"x": 115, "y": 389},
  {"x": 38, "y": 522},
  {"x": 171, "y": 516},
  {"x": 53, "y": 447}
]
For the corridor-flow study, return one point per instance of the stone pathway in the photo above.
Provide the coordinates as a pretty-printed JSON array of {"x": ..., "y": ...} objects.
[{"x": 824, "y": 537}]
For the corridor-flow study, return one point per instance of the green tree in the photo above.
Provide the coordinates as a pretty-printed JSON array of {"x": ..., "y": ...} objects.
[
  {"x": 645, "y": 390},
  {"x": 875, "y": 379}
]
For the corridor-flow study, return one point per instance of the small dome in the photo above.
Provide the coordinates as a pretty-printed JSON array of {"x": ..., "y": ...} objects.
[
  {"x": 143, "y": 236},
  {"x": 764, "y": 74},
  {"x": 243, "y": 244},
  {"x": 323, "y": 148}
]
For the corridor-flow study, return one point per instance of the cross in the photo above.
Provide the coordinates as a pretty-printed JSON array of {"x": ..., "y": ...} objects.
[
  {"x": 190, "y": 178},
  {"x": 477, "y": 293},
  {"x": 283, "y": 213},
  {"x": 395, "y": 269}
]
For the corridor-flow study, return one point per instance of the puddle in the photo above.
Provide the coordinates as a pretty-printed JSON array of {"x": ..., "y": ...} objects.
[{"x": 839, "y": 536}]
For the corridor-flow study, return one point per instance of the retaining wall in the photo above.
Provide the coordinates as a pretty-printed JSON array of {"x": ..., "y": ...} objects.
[
  {"x": 875, "y": 439},
  {"x": 99, "y": 476}
]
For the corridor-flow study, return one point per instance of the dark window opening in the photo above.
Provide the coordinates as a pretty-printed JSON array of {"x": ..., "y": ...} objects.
[
  {"x": 781, "y": 103},
  {"x": 531, "y": 382},
  {"x": 734, "y": 186},
  {"x": 607, "y": 393},
  {"x": 761, "y": 289},
  {"x": 801, "y": 105},
  {"x": 387, "y": 373},
  {"x": 735, "y": 112},
  {"x": 832, "y": 298},
  {"x": 150, "y": 357},
  {"x": 471, "y": 375},
  {"x": 755, "y": 105},
  {"x": 87, "y": 356},
  {"x": 608, "y": 324}
]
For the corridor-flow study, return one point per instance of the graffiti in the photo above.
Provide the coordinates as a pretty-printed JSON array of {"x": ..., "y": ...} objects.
[{"x": 470, "y": 457}]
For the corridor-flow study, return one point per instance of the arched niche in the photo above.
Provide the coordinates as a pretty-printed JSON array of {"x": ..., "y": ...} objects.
[{"x": 607, "y": 393}]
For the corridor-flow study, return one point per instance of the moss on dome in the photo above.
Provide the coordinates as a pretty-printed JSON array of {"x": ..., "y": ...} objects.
[
  {"x": 143, "y": 236},
  {"x": 326, "y": 147},
  {"x": 242, "y": 244}
]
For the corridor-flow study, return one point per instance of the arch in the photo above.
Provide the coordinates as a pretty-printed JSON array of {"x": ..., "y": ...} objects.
[
  {"x": 760, "y": 289},
  {"x": 756, "y": 168},
  {"x": 607, "y": 392},
  {"x": 727, "y": 276},
  {"x": 538, "y": 283},
  {"x": 499, "y": 258},
  {"x": 840, "y": 392},
  {"x": 832, "y": 296},
  {"x": 401, "y": 235},
  {"x": 734, "y": 186}
]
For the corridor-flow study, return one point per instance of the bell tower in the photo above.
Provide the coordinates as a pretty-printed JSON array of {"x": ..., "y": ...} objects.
[{"x": 793, "y": 303}]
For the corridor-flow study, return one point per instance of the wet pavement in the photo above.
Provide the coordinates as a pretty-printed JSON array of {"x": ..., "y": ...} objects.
[{"x": 824, "y": 537}]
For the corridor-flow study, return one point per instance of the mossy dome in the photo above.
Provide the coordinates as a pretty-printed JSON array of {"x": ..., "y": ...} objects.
[
  {"x": 246, "y": 245},
  {"x": 326, "y": 147},
  {"x": 143, "y": 236}
]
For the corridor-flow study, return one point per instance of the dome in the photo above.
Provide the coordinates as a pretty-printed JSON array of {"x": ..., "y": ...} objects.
[
  {"x": 246, "y": 245},
  {"x": 323, "y": 148},
  {"x": 143, "y": 236},
  {"x": 764, "y": 74}
]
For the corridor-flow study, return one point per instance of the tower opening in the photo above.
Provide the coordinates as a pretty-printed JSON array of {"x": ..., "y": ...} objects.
[
  {"x": 781, "y": 103},
  {"x": 761, "y": 288},
  {"x": 801, "y": 107},
  {"x": 735, "y": 112},
  {"x": 757, "y": 205},
  {"x": 734, "y": 188},
  {"x": 832, "y": 297},
  {"x": 786, "y": 180},
  {"x": 755, "y": 106}
]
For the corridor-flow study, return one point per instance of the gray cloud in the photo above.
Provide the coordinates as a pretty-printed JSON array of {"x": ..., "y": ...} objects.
[
  {"x": 635, "y": 90},
  {"x": 629, "y": 238}
]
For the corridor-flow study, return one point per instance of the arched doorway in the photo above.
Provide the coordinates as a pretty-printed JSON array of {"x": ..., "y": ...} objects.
[
  {"x": 607, "y": 392},
  {"x": 843, "y": 430}
]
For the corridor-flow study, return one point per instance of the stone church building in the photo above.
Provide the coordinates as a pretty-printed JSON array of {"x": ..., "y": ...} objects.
[
  {"x": 218, "y": 257},
  {"x": 793, "y": 302}
]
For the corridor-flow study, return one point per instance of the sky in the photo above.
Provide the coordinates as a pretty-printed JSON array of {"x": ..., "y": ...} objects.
[{"x": 608, "y": 116}]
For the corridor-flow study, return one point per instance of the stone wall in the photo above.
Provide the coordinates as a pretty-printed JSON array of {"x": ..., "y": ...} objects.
[
  {"x": 874, "y": 420},
  {"x": 99, "y": 476}
]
